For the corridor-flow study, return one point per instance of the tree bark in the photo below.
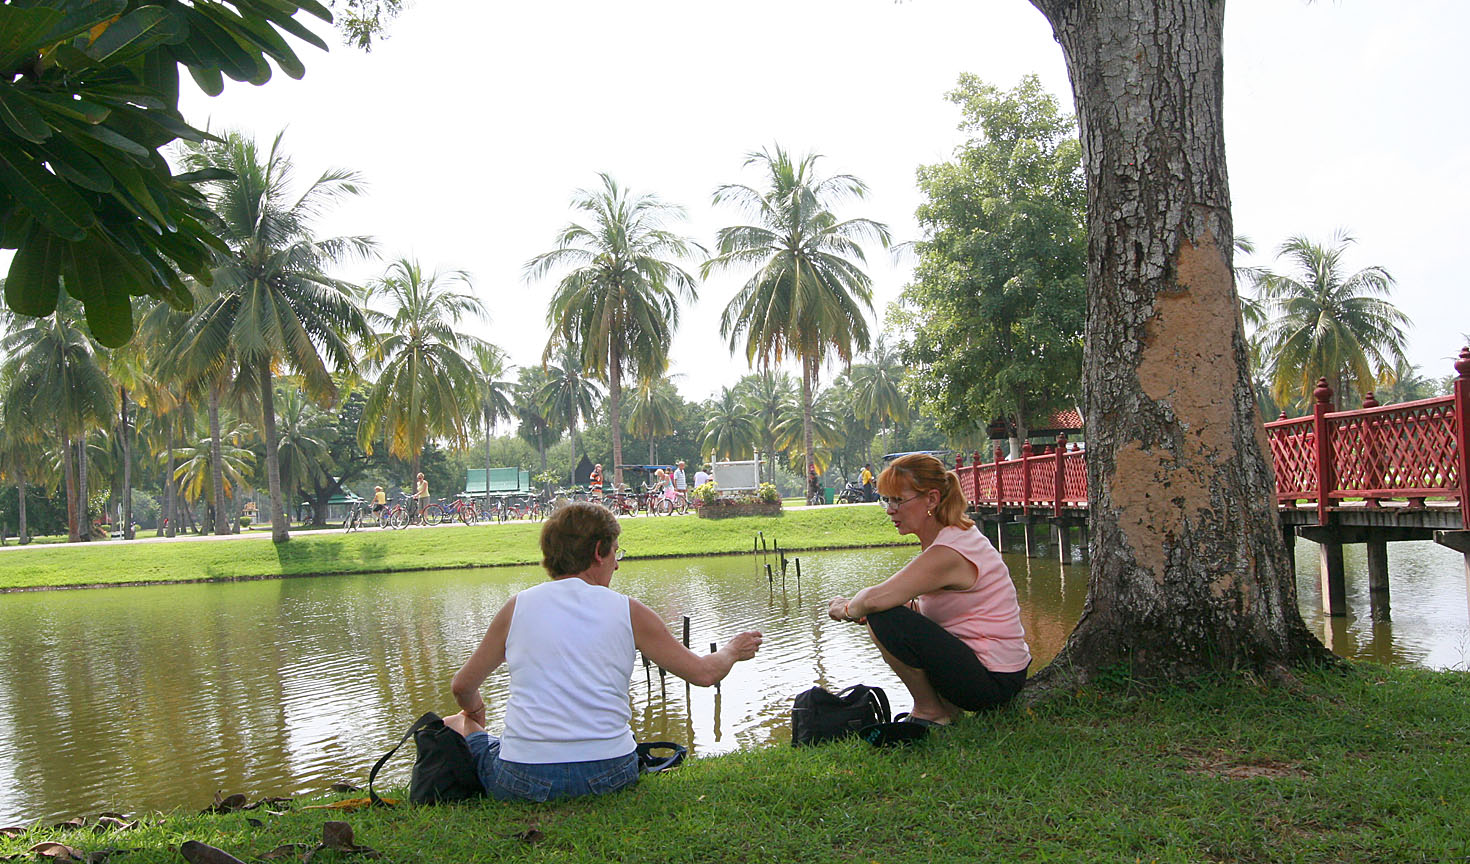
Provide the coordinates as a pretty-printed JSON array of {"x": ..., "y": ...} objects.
[
  {"x": 1189, "y": 573},
  {"x": 84, "y": 512},
  {"x": 279, "y": 532},
  {"x": 170, "y": 487},
  {"x": 127, "y": 472},
  {"x": 216, "y": 462},
  {"x": 615, "y": 407},
  {"x": 808, "y": 381},
  {"x": 23, "y": 533}
]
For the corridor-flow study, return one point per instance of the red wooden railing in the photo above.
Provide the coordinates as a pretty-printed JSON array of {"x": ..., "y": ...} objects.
[{"x": 1410, "y": 451}]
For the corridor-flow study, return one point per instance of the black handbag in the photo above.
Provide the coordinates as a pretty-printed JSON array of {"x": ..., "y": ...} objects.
[
  {"x": 818, "y": 715},
  {"x": 649, "y": 762},
  {"x": 444, "y": 770}
]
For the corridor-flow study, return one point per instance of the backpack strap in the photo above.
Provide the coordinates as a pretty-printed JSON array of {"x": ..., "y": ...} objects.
[
  {"x": 648, "y": 763},
  {"x": 880, "y": 702},
  {"x": 429, "y": 717}
]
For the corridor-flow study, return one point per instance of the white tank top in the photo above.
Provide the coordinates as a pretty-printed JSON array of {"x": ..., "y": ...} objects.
[{"x": 570, "y": 653}]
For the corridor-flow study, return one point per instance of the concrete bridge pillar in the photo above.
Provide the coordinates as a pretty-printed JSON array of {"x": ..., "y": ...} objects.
[
  {"x": 1064, "y": 542},
  {"x": 1460, "y": 542},
  {"x": 1378, "y": 578},
  {"x": 1030, "y": 536},
  {"x": 1333, "y": 575},
  {"x": 1084, "y": 540}
]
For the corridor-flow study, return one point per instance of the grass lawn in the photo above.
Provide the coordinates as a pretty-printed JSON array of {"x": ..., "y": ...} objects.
[
  {"x": 376, "y": 551},
  {"x": 1366, "y": 765}
]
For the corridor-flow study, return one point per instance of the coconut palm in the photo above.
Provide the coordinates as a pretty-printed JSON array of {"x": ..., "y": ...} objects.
[
  {"x": 194, "y": 473},
  {"x": 21, "y": 463},
  {"x": 816, "y": 430},
  {"x": 767, "y": 394},
  {"x": 426, "y": 382},
  {"x": 531, "y": 421},
  {"x": 277, "y": 307},
  {"x": 620, "y": 300},
  {"x": 568, "y": 396},
  {"x": 493, "y": 393},
  {"x": 729, "y": 428},
  {"x": 654, "y": 408},
  {"x": 301, "y": 442},
  {"x": 1327, "y": 323},
  {"x": 808, "y": 297},
  {"x": 56, "y": 382}
]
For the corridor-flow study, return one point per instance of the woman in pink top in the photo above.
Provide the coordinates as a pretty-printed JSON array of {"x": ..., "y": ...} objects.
[{"x": 961, "y": 646}]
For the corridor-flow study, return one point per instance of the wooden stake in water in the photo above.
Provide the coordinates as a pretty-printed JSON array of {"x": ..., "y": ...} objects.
[
  {"x": 686, "y": 631},
  {"x": 712, "y": 649},
  {"x": 770, "y": 580}
]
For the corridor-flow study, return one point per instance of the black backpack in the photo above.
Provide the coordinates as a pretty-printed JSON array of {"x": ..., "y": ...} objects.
[
  {"x": 444, "y": 770},
  {"x": 818, "y": 715}
]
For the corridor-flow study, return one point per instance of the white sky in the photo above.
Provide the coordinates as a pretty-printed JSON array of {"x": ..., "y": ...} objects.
[{"x": 474, "y": 122}]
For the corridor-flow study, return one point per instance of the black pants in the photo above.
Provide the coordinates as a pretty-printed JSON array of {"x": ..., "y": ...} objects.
[{"x": 956, "y": 673}]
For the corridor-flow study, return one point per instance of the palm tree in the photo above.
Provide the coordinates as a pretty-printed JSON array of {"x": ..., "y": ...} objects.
[
  {"x": 20, "y": 463},
  {"x": 494, "y": 394},
  {"x": 568, "y": 396},
  {"x": 729, "y": 428},
  {"x": 194, "y": 471},
  {"x": 877, "y": 399},
  {"x": 1329, "y": 324},
  {"x": 809, "y": 295},
  {"x": 531, "y": 421},
  {"x": 426, "y": 384},
  {"x": 820, "y": 424},
  {"x": 55, "y": 378},
  {"x": 766, "y": 394},
  {"x": 620, "y": 301},
  {"x": 276, "y": 305},
  {"x": 655, "y": 405},
  {"x": 301, "y": 443}
]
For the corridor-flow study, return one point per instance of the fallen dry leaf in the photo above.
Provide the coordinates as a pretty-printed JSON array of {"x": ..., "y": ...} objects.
[
  {"x": 289, "y": 850},
  {"x": 254, "y": 823},
  {"x": 107, "y": 822},
  {"x": 75, "y": 822},
  {"x": 199, "y": 853},
  {"x": 57, "y": 851},
  {"x": 530, "y": 835},
  {"x": 337, "y": 836},
  {"x": 10, "y": 832},
  {"x": 227, "y": 804},
  {"x": 344, "y": 804}
]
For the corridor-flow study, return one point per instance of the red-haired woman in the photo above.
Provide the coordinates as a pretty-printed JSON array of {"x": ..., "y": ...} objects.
[{"x": 964, "y": 647}]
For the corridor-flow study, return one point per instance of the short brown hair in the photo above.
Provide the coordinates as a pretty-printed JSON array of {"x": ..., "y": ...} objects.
[
  {"x": 923, "y": 472},
  {"x": 575, "y": 535}
]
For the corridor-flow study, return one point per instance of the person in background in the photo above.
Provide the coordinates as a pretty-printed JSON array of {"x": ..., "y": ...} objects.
[
  {"x": 813, "y": 484},
  {"x": 867, "y": 481},
  {"x": 702, "y": 476},
  {"x": 681, "y": 481},
  {"x": 660, "y": 480},
  {"x": 963, "y": 647},
  {"x": 594, "y": 482},
  {"x": 569, "y": 644},
  {"x": 420, "y": 497},
  {"x": 380, "y": 500}
]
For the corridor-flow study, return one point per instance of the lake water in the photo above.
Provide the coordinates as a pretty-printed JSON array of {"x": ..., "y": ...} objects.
[{"x": 135, "y": 699}]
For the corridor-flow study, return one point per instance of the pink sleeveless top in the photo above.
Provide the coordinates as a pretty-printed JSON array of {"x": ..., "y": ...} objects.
[{"x": 985, "y": 617}]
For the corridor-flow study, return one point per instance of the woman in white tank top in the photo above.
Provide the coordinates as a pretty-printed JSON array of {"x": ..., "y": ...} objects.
[{"x": 569, "y": 644}]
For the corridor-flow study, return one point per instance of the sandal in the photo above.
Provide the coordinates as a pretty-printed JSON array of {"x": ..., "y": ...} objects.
[{"x": 906, "y": 717}]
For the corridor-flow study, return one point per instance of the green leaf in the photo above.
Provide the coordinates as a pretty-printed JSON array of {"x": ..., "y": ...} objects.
[
  {"x": 208, "y": 79},
  {"x": 66, "y": 105},
  {"x": 32, "y": 286},
  {"x": 116, "y": 141},
  {"x": 205, "y": 175},
  {"x": 283, "y": 20},
  {"x": 76, "y": 165},
  {"x": 82, "y": 272},
  {"x": 135, "y": 33},
  {"x": 83, "y": 17},
  {"x": 161, "y": 75},
  {"x": 22, "y": 118},
  {"x": 217, "y": 48},
  {"x": 48, "y": 197},
  {"x": 23, "y": 32}
]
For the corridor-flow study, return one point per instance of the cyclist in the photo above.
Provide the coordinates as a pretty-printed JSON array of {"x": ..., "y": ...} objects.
[
  {"x": 380, "y": 502},
  {"x": 867, "y": 481},
  {"x": 681, "y": 484}
]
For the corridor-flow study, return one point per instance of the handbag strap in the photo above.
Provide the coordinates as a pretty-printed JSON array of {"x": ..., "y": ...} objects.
[
  {"x": 651, "y": 764},
  {"x": 429, "y": 717},
  {"x": 876, "y": 697}
]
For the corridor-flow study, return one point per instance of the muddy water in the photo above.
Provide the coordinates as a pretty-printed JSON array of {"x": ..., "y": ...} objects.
[{"x": 135, "y": 699}]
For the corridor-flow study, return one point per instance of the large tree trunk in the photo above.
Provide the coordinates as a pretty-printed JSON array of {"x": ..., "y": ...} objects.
[
  {"x": 127, "y": 472},
  {"x": 489, "y": 424},
  {"x": 572, "y": 437},
  {"x": 23, "y": 533},
  {"x": 279, "y": 532},
  {"x": 84, "y": 511},
  {"x": 170, "y": 487},
  {"x": 1189, "y": 573},
  {"x": 808, "y": 384},
  {"x": 216, "y": 463},
  {"x": 615, "y": 409}
]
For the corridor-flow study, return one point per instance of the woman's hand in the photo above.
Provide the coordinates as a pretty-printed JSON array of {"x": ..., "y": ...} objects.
[
  {"x": 837, "y": 609},
  {"x": 744, "y": 646}
]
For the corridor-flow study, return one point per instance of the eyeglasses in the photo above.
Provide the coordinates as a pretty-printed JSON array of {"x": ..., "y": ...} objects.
[
  {"x": 892, "y": 503},
  {"x": 619, "y": 556}
]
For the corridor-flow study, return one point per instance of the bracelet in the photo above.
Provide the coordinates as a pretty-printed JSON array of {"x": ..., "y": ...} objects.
[{"x": 845, "y": 613}]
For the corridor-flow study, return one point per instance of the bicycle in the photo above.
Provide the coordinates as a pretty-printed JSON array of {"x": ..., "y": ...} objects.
[
  {"x": 353, "y": 520},
  {"x": 462, "y": 509},
  {"x": 396, "y": 514}
]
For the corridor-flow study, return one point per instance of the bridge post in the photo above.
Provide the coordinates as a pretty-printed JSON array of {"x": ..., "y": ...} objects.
[
  {"x": 975, "y": 476},
  {"x": 1378, "y": 578},
  {"x": 1462, "y": 435},
  {"x": 1333, "y": 576},
  {"x": 1028, "y": 530},
  {"x": 1064, "y": 541},
  {"x": 1321, "y": 431}
]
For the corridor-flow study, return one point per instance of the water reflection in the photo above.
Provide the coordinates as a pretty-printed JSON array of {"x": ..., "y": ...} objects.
[{"x": 154, "y": 698}]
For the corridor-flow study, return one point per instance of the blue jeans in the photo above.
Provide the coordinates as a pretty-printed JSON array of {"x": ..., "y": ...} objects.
[{"x": 525, "y": 781}]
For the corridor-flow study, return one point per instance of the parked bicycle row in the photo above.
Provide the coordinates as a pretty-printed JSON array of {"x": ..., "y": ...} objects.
[{"x": 404, "y": 511}]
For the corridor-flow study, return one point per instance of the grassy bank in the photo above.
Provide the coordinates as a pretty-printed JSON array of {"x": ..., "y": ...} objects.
[
  {"x": 377, "y": 551},
  {"x": 1361, "y": 766}
]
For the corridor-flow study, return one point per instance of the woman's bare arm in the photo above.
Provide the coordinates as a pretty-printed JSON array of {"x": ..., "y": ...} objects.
[
  {"x": 659, "y": 645},
  {"x": 487, "y": 658}
]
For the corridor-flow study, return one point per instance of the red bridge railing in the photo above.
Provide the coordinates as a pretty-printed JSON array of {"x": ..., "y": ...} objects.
[{"x": 1411, "y": 451}]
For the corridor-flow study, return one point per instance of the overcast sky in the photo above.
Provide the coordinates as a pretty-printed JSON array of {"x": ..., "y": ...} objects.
[{"x": 474, "y": 122}]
